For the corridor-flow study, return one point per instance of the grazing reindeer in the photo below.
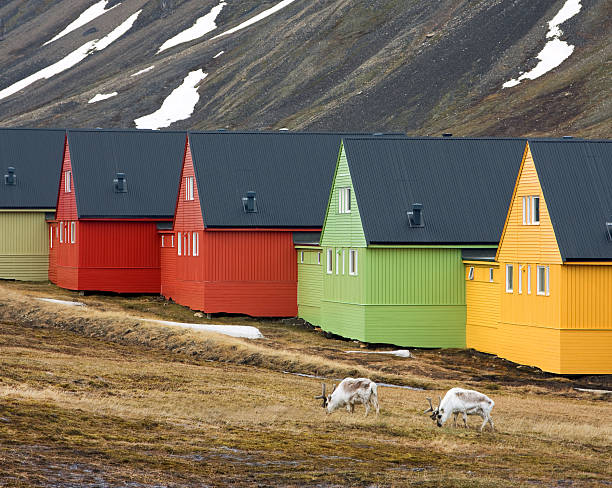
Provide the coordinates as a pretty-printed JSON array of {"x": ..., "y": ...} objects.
[
  {"x": 349, "y": 392},
  {"x": 466, "y": 402}
]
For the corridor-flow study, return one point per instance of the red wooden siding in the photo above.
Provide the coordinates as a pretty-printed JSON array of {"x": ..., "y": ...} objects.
[
  {"x": 168, "y": 264},
  {"x": 188, "y": 212},
  {"x": 66, "y": 201}
]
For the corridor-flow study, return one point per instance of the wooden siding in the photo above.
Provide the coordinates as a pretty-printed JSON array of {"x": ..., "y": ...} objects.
[
  {"x": 483, "y": 306},
  {"x": 528, "y": 243},
  {"x": 188, "y": 212},
  {"x": 168, "y": 265},
  {"x": 586, "y": 352},
  {"x": 342, "y": 229},
  {"x": 66, "y": 201},
  {"x": 24, "y": 246},
  {"x": 586, "y": 297},
  {"x": 310, "y": 284}
]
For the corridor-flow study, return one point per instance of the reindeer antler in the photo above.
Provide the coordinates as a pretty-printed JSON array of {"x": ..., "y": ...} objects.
[
  {"x": 322, "y": 395},
  {"x": 431, "y": 408}
]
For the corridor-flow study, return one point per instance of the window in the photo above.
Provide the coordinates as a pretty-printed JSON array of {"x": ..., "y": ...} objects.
[
  {"x": 187, "y": 244},
  {"x": 509, "y": 283},
  {"x": 543, "y": 285},
  {"x": 491, "y": 275},
  {"x": 179, "y": 244},
  {"x": 72, "y": 232},
  {"x": 535, "y": 210},
  {"x": 301, "y": 256},
  {"x": 471, "y": 273},
  {"x": 189, "y": 188},
  {"x": 172, "y": 240},
  {"x": 319, "y": 257},
  {"x": 330, "y": 264},
  {"x": 344, "y": 200},
  {"x": 162, "y": 242},
  {"x": 196, "y": 244},
  {"x": 525, "y": 210},
  {"x": 67, "y": 185},
  {"x": 51, "y": 236},
  {"x": 353, "y": 262},
  {"x": 337, "y": 261},
  {"x": 343, "y": 255},
  {"x": 520, "y": 276},
  {"x": 529, "y": 279},
  {"x": 61, "y": 232}
]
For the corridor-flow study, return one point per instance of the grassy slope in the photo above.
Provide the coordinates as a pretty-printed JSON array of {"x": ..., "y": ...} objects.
[{"x": 82, "y": 410}]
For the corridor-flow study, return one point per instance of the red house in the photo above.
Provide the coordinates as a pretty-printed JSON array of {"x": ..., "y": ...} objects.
[
  {"x": 242, "y": 198},
  {"x": 116, "y": 188}
]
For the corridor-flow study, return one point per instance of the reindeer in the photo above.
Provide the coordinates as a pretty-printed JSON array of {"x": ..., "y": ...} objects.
[
  {"x": 349, "y": 392},
  {"x": 466, "y": 402}
]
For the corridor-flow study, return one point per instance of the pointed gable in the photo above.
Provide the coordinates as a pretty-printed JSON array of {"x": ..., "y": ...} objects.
[
  {"x": 188, "y": 212},
  {"x": 66, "y": 194},
  {"x": 527, "y": 242}
]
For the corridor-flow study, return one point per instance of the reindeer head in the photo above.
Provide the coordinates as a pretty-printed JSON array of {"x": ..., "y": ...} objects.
[
  {"x": 435, "y": 412},
  {"x": 326, "y": 398}
]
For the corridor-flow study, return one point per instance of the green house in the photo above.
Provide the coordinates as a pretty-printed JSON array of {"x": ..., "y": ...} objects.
[
  {"x": 30, "y": 161},
  {"x": 401, "y": 214}
]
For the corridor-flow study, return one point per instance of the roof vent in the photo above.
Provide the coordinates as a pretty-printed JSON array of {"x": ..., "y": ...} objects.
[
  {"x": 120, "y": 183},
  {"x": 567, "y": 137},
  {"x": 447, "y": 134},
  {"x": 609, "y": 230},
  {"x": 10, "y": 178},
  {"x": 250, "y": 202},
  {"x": 377, "y": 134},
  {"x": 415, "y": 216}
]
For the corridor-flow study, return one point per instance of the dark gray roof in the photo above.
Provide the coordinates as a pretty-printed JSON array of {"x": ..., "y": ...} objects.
[
  {"x": 576, "y": 180},
  {"x": 290, "y": 172},
  {"x": 465, "y": 186},
  {"x": 307, "y": 238},
  {"x": 36, "y": 155},
  {"x": 151, "y": 161}
]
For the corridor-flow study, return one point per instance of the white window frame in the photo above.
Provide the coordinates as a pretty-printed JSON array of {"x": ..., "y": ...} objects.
[
  {"x": 301, "y": 256},
  {"x": 330, "y": 261},
  {"x": 535, "y": 221},
  {"x": 543, "y": 289},
  {"x": 172, "y": 240},
  {"x": 343, "y": 260},
  {"x": 188, "y": 243},
  {"x": 196, "y": 244},
  {"x": 344, "y": 200},
  {"x": 526, "y": 212},
  {"x": 529, "y": 279},
  {"x": 509, "y": 278},
  {"x": 72, "y": 232},
  {"x": 337, "y": 261},
  {"x": 179, "y": 244},
  {"x": 520, "y": 279},
  {"x": 319, "y": 257},
  {"x": 50, "y": 237},
  {"x": 471, "y": 273},
  {"x": 188, "y": 187},
  {"x": 162, "y": 241},
  {"x": 67, "y": 178},
  {"x": 353, "y": 262},
  {"x": 61, "y": 232},
  {"x": 490, "y": 275}
]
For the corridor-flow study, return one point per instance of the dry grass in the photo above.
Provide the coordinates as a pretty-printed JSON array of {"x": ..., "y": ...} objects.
[{"x": 76, "y": 410}]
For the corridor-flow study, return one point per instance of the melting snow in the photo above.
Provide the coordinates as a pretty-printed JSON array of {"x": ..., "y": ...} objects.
[
  {"x": 257, "y": 18},
  {"x": 62, "y": 302},
  {"x": 87, "y": 16},
  {"x": 555, "y": 51},
  {"x": 102, "y": 96},
  {"x": 244, "y": 331},
  {"x": 143, "y": 71},
  {"x": 178, "y": 106},
  {"x": 402, "y": 353},
  {"x": 218, "y": 54},
  {"x": 201, "y": 27},
  {"x": 72, "y": 59}
]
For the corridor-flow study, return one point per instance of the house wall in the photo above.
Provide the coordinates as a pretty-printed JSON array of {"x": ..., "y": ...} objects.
[
  {"x": 310, "y": 283},
  {"x": 24, "y": 246},
  {"x": 167, "y": 264},
  {"x": 483, "y": 306}
]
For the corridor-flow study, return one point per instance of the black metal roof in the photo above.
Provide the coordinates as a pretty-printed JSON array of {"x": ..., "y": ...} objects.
[
  {"x": 576, "y": 181},
  {"x": 36, "y": 155},
  {"x": 151, "y": 161},
  {"x": 465, "y": 186},
  {"x": 290, "y": 172}
]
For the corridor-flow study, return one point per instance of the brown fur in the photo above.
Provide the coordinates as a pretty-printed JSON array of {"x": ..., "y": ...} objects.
[
  {"x": 354, "y": 385},
  {"x": 471, "y": 397}
]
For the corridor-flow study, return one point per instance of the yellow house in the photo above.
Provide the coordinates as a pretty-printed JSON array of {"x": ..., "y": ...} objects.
[{"x": 550, "y": 289}]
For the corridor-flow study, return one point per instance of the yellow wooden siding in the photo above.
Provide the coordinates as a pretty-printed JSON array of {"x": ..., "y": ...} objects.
[
  {"x": 483, "y": 306},
  {"x": 586, "y": 297},
  {"x": 24, "y": 251},
  {"x": 586, "y": 352},
  {"x": 528, "y": 243}
]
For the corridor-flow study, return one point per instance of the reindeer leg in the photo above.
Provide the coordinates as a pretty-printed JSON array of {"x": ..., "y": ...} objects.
[
  {"x": 455, "y": 419},
  {"x": 465, "y": 420},
  {"x": 374, "y": 401},
  {"x": 484, "y": 423},
  {"x": 367, "y": 408},
  {"x": 491, "y": 422}
]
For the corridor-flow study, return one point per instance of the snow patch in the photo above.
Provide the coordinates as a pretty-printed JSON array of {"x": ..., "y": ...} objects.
[
  {"x": 402, "y": 353},
  {"x": 179, "y": 105},
  {"x": 143, "y": 71},
  {"x": 201, "y": 27},
  {"x": 62, "y": 302},
  {"x": 87, "y": 16},
  {"x": 242, "y": 331},
  {"x": 102, "y": 96},
  {"x": 555, "y": 51},
  {"x": 218, "y": 54},
  {"x": 72, "y": 59},
  {"x": 257, "y": 18}
]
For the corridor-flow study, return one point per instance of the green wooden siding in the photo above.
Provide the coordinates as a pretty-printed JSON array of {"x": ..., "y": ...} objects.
[
  {"x": 24, "y": 246},
  {"x": 310, "y": 284},
  {"x": 342, "y": 229}
]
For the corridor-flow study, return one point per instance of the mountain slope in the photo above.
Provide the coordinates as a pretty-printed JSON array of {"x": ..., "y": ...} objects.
[{"x": 383, "y": 65}]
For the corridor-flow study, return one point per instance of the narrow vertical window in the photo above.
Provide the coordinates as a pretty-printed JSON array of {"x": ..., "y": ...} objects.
[
  {"x": 491, "y": 275},
  {"x": 61, "y": 232},
  {"x": 319, "y": 257},
  {"x": 343, "y": 256},
  {"x": 352, "y": 262},
  {"x": 509, "y": 282},
  {"x": 189, "y": 188},
  {"x": 525, "y": 210},
  {"x": 72, "y": 232},
  {"x": 330, "y": 263},
  {"x": 188, "y": 243},
  {"x": 172, "y": 240},
  {"x": 529, "y": 279},
  {"x": 337, "y": 261},
  {"x": 162, "y": 242},
  {"x": 51, "y": 237},
  {"x": 543, "y": 285},
  {"x": 471, "y": 273},
  {"x": 67, "y": 178},
  {"x": 179, "y": 244},
  {"x": 344, "y": 200},
  {"x": 535, "y": 210},
  {"x": 301, "y": 256},
  {"x": 520, "y": 276}
]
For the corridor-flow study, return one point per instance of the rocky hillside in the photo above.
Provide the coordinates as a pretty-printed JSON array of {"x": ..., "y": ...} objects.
[{"x": 377, "y": 65}]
